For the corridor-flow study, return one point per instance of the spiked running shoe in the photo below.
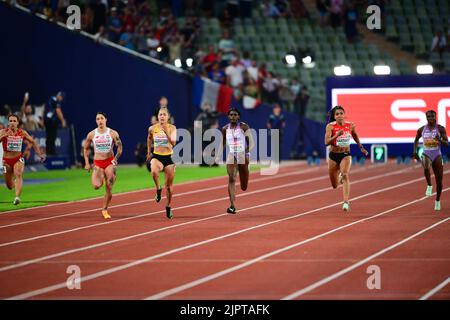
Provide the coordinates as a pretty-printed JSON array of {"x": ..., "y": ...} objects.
[
  {"x": 429, "y": 191},
  {"x": 437, "y": 205},
  {"x": 106, "y": 214},
  {"x": 16, "y": 201},
  {"x": 231, "y": 210},
  {"x": 169, "y": 213},
  {"x": 346, "y": 207},
  {"x": 158, "y": 195}
]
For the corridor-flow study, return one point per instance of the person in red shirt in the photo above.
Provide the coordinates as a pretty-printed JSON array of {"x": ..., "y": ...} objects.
[
  {"x": 12, "y": 139},
  {"x": 338, "y": 136}
]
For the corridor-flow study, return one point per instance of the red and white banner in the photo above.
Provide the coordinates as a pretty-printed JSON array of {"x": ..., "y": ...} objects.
[{"x": 392, "y": 115}]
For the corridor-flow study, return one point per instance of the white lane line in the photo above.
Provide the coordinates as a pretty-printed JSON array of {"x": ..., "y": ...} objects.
[
  {"x": 435, "y": 289},
  {"x": 248, "y": 193},
  {"x": 359, "y": 263},
  {"x": 152, "y": 199},
  {"x": 55, "y": 255},
  {"x": 126, "y": 193},
  {"x": 144, "y": 260}
]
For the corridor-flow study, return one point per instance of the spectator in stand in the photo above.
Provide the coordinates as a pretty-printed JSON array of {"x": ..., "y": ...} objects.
[
  {"x": 253, "y": 70},
  {"x": 323, "y": 9},
  {"x": 114, "y": 26},
  {"x": 30, "y": 122},
  {"x": 246, "y": 61},
  {"x": 439, "y": 43},
  {"x": 350, "y": 20},
  {"x": 217, "y": 74},
  {"x": 141, "y": 44},
  {"x": 153, "y": 44},
  {"x": 126, "y": 38},
  {"x": 189, "y": 34},
  {"x": 270, "y": 88},
  {"x": 234, "y": 73},
  {"x": 100, "y": 15},
  {"x": 250, "y": 86},
  {"x": 175, "y": 45},
  {"x": 128, "y": 20},
  {"x": 226, "y": 44},
  {"x": 335, "y": 9},
  {"x": 270, "y": 10},
  {"x": 209, "y": 59}
]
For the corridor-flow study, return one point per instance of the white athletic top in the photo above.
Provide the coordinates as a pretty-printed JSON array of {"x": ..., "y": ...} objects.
[
  {"x": 103, "y": 143},
  {"x": 235, "y": 139}
]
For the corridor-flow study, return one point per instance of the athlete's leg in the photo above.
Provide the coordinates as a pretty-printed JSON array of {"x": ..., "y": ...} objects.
[
  {"x": 333, "y": 171},
  {"x": 110, "y": 178},
  {"x": 169, "y": 173},
  {"x": 9, "y": 177},
  {"x": 18, "y": 173},
  {"x": 156, "y": 167},
  {"x": 345, "y": 166},
  {"x": 244, "y": 174},
  {"x": 97, "y": 177},
  {"x": 438, "y": 170},
  {"x": 427, "y": 164},
  {"x": 232, "y": 172}
]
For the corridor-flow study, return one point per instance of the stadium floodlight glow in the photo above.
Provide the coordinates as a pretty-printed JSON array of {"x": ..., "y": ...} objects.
[
  {"x": 307, "y": 60},
  {"x": 381, "y": 70},
  {"x": 424, "y": 69},
  {"x": 189, "y": 62},
  {"x": 342, "y": 70},
  {"x": 159, "y": 49},
  {"x": 177, "y": 63},
  {"x": 290, "y": 59}
]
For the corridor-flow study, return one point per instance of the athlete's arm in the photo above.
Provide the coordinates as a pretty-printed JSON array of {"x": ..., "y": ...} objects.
[
  {"x": 356, "y": 138},
  {"x": 250, "y": 144},
  {"x": 328, "y": 132},
  {"x": 443, "y": 139},
  {"x": 172, "y": 137},
  {"x": 36, "y": 147},
  {"x": 118, "y": 144},
  {"x": 416, "y": 143},
  {"x": 149, "y": 143},
  {"x": 86, "y": 150}
]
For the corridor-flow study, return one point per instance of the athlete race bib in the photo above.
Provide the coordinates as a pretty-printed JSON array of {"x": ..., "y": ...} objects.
[{"x": 14, "y": 144}]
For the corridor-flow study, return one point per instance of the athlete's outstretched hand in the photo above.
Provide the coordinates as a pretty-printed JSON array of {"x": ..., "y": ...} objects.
[
  {"x": 364, "y": 151},
  {"x": 416, "y": 156},
  {"x": 88, "y": 167},
  {"x": 42, "y": 157},
  {"x": 149, "y": 157}
]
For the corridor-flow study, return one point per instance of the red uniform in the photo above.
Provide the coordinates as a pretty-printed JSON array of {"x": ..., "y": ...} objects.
[
  {"x": 13, "y": 144},
  {"x": 344, "y": 139}
]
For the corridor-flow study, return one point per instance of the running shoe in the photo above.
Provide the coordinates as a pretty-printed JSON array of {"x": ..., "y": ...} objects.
[
  {"x": 169, "y": 213},
  {"x": 16, "y": 201},
  {"x": 2, "y": 170},
  {"x": 346, "y": 206},
  {"x": 231, "y": 210},
  {"x": 437, "y": 205},
  {"x": 106, "y": 214},
  {"x": 158, "y": 195},
  {"x": 429, "y": 191}
]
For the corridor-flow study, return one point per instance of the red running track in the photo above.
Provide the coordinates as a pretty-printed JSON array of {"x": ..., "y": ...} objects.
[{"x": 289, "y": 240}]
